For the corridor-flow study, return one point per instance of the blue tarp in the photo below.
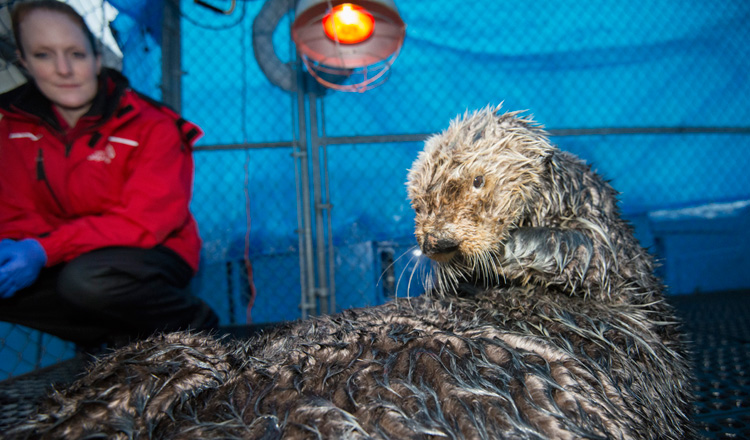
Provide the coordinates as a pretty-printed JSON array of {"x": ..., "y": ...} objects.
[{"x": 573, "y": 64}]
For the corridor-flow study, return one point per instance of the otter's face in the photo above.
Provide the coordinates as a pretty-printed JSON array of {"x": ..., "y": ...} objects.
[
  {"x": 456, "y": 218},
  {"x": 472, "y": 184}
]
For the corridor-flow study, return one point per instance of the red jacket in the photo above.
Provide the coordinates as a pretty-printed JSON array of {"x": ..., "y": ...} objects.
[{"x": 122, "y": 177}]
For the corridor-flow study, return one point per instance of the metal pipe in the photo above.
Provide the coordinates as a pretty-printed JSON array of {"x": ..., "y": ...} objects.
[
  {"x": 246, "y": 146},
  {"x": 307, "y": 268},
  {"x": 320, "y": 207},
  {"x": 329, "y": 223},
  {"x": 171, "y": 62},
  {"x": 421, "y": 137}
]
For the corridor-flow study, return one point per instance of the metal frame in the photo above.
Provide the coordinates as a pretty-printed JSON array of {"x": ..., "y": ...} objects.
[{"x": 171, "y": 55}]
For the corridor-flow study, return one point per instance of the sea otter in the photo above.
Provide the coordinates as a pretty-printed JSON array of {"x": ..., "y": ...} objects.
[
  {"x": 545, "y": 322},
  {"x": 496, "y": 201}
]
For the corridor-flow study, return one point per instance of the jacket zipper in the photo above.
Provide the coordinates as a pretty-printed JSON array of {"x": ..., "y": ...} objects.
[{"x": 41, "y": 175}]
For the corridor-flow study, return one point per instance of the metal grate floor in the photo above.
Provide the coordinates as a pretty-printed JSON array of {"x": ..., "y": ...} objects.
[{"x": 718, "y": 325}]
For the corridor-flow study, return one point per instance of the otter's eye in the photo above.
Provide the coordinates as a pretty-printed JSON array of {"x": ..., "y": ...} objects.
[{"x": 478, "y": 182}]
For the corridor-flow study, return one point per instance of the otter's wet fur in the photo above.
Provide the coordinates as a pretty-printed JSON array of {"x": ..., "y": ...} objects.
[
  {"x": 545, "y": 322},
  {"x": 496, "y": 201}
]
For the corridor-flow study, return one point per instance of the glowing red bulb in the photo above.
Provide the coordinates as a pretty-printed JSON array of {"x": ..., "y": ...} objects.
[{"x": 348, "y": 24}]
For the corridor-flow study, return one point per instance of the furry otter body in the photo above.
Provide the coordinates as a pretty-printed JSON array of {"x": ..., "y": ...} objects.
[
  {"x": 496, "y": 202},
  {"x": 546, "y": 323}
]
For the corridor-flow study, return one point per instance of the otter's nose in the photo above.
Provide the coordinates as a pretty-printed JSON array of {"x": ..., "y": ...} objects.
[{"x": 433, "y": 245}]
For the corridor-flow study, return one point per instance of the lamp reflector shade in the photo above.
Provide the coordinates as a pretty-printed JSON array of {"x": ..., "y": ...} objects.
[{"x": 333, "y": 48}]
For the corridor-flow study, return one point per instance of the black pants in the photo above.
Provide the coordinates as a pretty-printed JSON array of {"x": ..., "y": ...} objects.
[{"x": 111, "y": 295}]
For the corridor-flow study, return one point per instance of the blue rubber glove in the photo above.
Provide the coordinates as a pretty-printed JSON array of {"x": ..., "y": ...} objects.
[
  {"x": 20, "y": 264},
  {"x": 4, "y": 243}
]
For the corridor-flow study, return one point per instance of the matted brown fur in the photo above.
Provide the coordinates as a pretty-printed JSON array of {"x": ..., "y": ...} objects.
[
  {"x": 496, "y": 201},
  {"x": 546, "y": 322}
]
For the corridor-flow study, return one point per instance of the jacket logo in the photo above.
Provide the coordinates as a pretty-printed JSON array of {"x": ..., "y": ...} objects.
[
  {"x": 106, "y": 155},
  {"x": 25, "y": 135}
]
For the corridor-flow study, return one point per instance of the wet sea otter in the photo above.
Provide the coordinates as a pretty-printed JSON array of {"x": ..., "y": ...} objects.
[
  {"x": 545, "y": 322},
  {"x": 496, "y": 202}
]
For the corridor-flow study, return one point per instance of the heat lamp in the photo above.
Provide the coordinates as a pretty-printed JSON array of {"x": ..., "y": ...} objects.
[{"x": 348, "y": 45}]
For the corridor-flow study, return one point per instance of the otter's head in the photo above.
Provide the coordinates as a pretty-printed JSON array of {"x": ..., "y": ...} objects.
[{"x": 473, "y": 182}]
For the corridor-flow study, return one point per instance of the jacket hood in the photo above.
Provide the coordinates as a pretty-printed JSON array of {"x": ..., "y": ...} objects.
[{"x": 28, "y": 101}]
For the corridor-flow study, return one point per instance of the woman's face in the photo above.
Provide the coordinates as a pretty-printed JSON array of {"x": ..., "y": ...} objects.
[{"x": 61, "y": 60}]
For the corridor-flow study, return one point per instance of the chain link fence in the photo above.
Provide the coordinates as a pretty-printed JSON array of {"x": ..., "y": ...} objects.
[{"x": 308, "y": 184}]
